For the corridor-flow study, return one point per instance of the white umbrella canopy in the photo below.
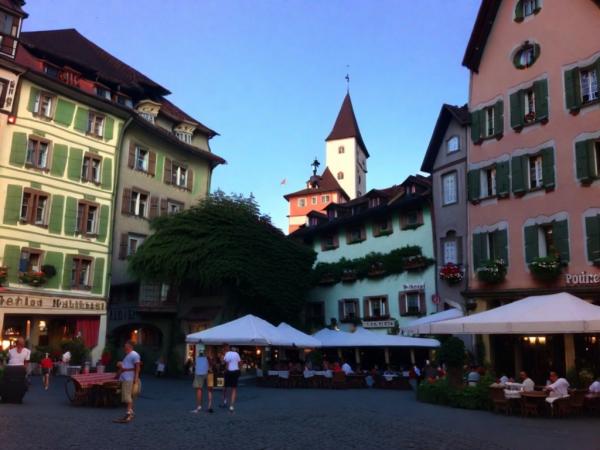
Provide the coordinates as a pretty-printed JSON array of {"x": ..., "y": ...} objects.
[
  {"x": 247, "y": 330},
  {"x": 423, "y": 325},
  {"x": 546, "y": 314},
  {"x": 365, "y": 338},
  {"x": 298, "y": 338}
]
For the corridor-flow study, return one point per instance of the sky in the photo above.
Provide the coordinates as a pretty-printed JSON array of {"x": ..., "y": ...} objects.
[{"x": 269, "y": 76}]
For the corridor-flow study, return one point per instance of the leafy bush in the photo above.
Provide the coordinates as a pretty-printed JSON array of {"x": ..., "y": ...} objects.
[
  {"x": 493, "y": 271},
  {"x": 79, "y": 352},
  {"x": 545, "y": 268},
  {"x": 452, "y": 352},
  {"x": 441, "y": 392}
]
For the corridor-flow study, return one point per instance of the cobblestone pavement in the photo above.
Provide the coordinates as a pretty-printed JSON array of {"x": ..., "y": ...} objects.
[{"x": 278, "y": 419}]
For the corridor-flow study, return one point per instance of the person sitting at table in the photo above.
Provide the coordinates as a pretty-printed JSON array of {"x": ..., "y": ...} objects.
[
  {"x": 528, "y": 384},
  {"x": 558, "y": 388},
  {"x": 336, "y": 367},
  {"x": 473, "y": 377},
  {"x": 503, "y": 379},
  {"x": 594, "y": 388},
  {"x": 346, "y": 368}
]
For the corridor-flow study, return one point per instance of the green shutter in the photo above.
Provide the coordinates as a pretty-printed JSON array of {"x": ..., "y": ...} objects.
[
  {"x": 54, "y": 259},
  {"x": 81, "y": 119},
  {"x": 560, "y": 232},
  {"x": 106, "y": 174},
  {"x": 501, "y": 245},
  {"x": 518, "y": 175},
  {"x": 67, "y": 278},
  {"x": 499, "y": 118},
  {"x": 59, "y": 160},
  {"x": 474, "y": 184},
  {"x": 33, "y": 93},
  {"x": 12, "y": 207},
  {"x": 98, "y": 283},
  {"x": 75, "y": 163},
  {"x": 502, "y": 179},
  {"x": 592, "y": 232},
  {"x": 109, "y": 126},
  {"x": 478, "y": 256},
  {"x": 18, "y": 149},
  {"x": 476, "y": 126},
  {"x": 597, "y": 67},
  {"x": 548, "y": 167},
  {"x": 572, "y": 89},
  {"x": 531, "y": 243},
  {"x": 540, "y": 89},
  {"x": 103, "y": 227},
  {"x": 516, "y": 110},
  {"x": 56, "y": 214},
  {"x": 71, "y": 216},
  {"x": 519, "y": 11},
  {"x": 584, "y": 160},
  {"x": 64, "y": 112},
  {"x": 12, "y": 255}
]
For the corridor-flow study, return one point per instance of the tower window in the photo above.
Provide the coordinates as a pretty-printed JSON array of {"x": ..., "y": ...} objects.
[
  {"x": 341, "y": 149},
  {"x": 340, "y": 175}
]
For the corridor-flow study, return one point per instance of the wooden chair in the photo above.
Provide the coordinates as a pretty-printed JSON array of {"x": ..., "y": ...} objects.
[
  {"x": 530, "y": 407},
  {"x": 561, "y": 407},
  {"x": 339, "y": 381},
  {"x": 499, "y": 401},
  {"x": 592, "y": 404},
  {"x": 577, "y": 401}
]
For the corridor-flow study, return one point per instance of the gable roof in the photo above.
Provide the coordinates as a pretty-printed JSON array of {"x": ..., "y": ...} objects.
[
  {"x": 447, "y": 113},
  {"x": 346, "y": 126},
  {"x": 327, "y": 183},
  {"x": 14, "y": 6}
]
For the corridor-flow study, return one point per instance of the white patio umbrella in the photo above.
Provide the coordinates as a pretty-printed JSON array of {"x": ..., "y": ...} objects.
[
  {"x": 545, "y": 314},
  {"x": 423, "y": 325},
  {"x": 365, "y": 338},
  {"x": 299, "y": 339}
]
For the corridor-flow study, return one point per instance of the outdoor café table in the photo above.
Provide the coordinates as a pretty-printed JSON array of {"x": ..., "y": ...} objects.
[{"x": 279, "y": 373}]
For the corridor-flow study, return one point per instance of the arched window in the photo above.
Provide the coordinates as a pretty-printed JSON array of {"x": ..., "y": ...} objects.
[
  {"x": 341, "y": 149},
  {"x": 526, "y": 55},
  {"x": 340, "y": 175}
]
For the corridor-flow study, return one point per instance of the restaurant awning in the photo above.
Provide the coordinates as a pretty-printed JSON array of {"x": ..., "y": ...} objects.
[
  {"x": 299, "y": 339},
  {"x": 545, "y": 314},
  {"x": 423, "y": 325},
  {"x": 365, "y": 338}
]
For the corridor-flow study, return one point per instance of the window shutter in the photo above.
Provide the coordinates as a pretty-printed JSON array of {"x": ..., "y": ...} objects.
[
  {"x": 519, "y": 11},
  {"x": 152, "y": 163},
  {"x": 517, "y": 118},
  {"x": 531, "y": 243},
  {"x": 479, "y": 249},
  {"x": 422, "y": 304},
  {"x": 106, "y": 174},
  {"x": 501, "y": 245},
  {"x": 125, "y": 201},
  {"x": 168, "y": 170},
  {"x": 592, "y": 231},
  {"x": 64, "y": 112},
  {"x": 518, "y": 175},
  {"x": 75, "y": 163},
  {"x": 54, "y": 259},
  {"x": 103, "y": 226},
  {"x": 190, "y": 179},
  {"x": 341, "y": 310},
  {"x": 476, "y": 126},
  {"x": 154, "y": 207},
  {"x": 123, "y": 245},
  {"x": 82, "y": 116},
  {"x": 12, "y": 207},
  {"x": 56, "y": 214},
  {"x": 572, "y": 90},
  {"x": 98, "y": 283},
  {"x": 365, "y": 308},
  {"x": 499, "y": 118},
  {"x": 502, "y": 179},
  {"x": 474, "y": 184},
  {"x": 12, "y": 255},
  {"x": 33, "y": 93},
  {"x": 548, "y": 167},
  {"x": 109, "y": 125},
  {"x": 163, "y": 206},
  {"x": 131, "y": 159},
  {"x": 67, "y": 273},
  {"x": 402, "y": 304},
  {"x": 18, "y": 149},
  {"x": 584, "y": 157},
  {"x": 540, "y": 89},
  {"x": 459, "y": 250},
  {"x": 71, "y": 216},
  {"x": 59, "y": 160},
  {"x": 560, "y": 230}
]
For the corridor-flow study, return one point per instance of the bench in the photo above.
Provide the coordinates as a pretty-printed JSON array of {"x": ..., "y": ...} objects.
[{"x": 93, "y": 389}]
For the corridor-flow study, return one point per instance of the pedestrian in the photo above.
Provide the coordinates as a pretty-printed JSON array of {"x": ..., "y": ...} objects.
[
  {"x": 201, "y": 377},
  {"x": 160, "y": 367},
  {"x": 232, "y": 375},
  {"x": 129, "y": 375},
  {"x": 19, "y": 355},
  {"x": 47, "y": 366}
]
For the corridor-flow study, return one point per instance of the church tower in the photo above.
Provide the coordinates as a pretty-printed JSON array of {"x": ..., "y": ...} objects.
[{"x": 346, "y": 153}]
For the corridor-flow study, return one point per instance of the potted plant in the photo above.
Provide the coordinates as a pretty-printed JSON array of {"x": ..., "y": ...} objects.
[
  {"x": 451, "y": 273},
  {"x": 32, "y": 277},
  {"x": 492, "y": 271},
  {"x": 530, "y": 117},
  {"x": 545, "y": 268},
  {"x": 348, "y": 275},
  {"x": 414, "y": 262},
  {"x": 376, "y": 270}
]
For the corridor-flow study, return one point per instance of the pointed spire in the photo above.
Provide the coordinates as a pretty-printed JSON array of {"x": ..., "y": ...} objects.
[{"x": 345, "y": 125}]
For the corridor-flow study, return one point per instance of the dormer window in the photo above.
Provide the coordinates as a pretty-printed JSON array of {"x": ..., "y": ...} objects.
[
  {"x": 51, "y": 71},
  {"x": 184, "y": 137},
  {"x": 373, "y": 202},
  {"x": 9, "y": 29},
  {"x": 149, "y": 117},
  {"x": 103, "y": 92},
  {"x": 124, "y": 101}
]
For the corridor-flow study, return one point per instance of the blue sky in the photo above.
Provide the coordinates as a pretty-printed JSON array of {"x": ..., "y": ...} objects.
[{"x": 269, "y": 75}]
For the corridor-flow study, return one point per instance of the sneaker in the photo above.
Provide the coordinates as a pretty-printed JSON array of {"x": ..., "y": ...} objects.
[
  {"x": 125, "y": 419},
  {"x": 210, "y": 410},
  {"x": 231, "y": 408},
  {"x": 197, "y": 410}
]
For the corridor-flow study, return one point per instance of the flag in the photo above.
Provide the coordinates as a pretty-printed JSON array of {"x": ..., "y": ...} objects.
[{"x": 284, "y": 181}]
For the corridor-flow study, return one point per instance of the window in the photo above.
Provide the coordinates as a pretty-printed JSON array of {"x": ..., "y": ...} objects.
[
  {"x": 412, "y": 303},
  {"x": 95, "y": 124},
  {"x": 133, "y": 243},
  {"x": 529, "y": 106},
  {"x": 30, "y": 260},
  {"x": 44, "y": 105},
  {"x": 589, "y": 85},
  {"x": 349, "y": 310},
  {"x": 547, "y": 246},
  {"x": 90, "y": 169},
  {"x": 81, "y": 273},
  {"x": 376, "y": 308},
  {"x": 535, "y": 172},
  {"x": 547, "y": 239},
  {"x": 184, "y": 137},
  {"x": 313, "y": 200},
  {"x": 449, "y": 186},
  {"x": 103, "y": 92},
  {"x": 526, "y": 57},
  {"x": 355, "y": 234},
  {"x": 9, "y": 28},
  {"x": 124, "y": 101},
  {"x": 340, "y": 175},
  {"x": 301, "y": 202},
  {"x": 34, "y": 207},
  {"x": 329, "y": 242},
  {"x": 341, "y": 149},
  {"x": 139, "y": 204},
  {"x": 489, "y": 182},
  {"x": 324, "y": 198},
  {"x": 453, "y": 144},
  {"x": 51, "y": 71},
  {"x": 529, "y": 7},
  {"x": 147, "y": 116},
  {"x": 174, "y": 207},
  {"x": 382, "y": 227},
  {"x": 489, "y": 246},
  {"x": 142, "y": 157},
  {"x": 489, "y": 121},
  {"x": 37, "y": 153},
  {"x": 450, "y": 252},
  {"x": 87, "y": 218},
  {"x": 179, "y": 175}
]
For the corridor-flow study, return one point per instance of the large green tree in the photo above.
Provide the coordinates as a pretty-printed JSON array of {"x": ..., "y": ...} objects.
[{"x": 224, "y": 243}]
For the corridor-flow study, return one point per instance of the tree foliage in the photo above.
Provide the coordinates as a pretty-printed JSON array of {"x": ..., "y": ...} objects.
[{"x": 225, "y": 243}]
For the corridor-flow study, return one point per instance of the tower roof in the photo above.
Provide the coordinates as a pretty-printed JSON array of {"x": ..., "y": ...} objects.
[
  {"x": 346, "y": 125},
  {"x": 327, "y": 183}
]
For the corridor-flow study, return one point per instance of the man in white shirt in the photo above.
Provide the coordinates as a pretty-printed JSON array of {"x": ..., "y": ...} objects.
[
  {"x": 595, "y": 388},
  {"x": 528, "y": 384},
  {"x": 346, "y": 368},
  {"x": 19, "y": 355},
  {"x": 129, "y": 376},
  {"x": 558, "y": 387},
  {"x": 232, "y": 374}
]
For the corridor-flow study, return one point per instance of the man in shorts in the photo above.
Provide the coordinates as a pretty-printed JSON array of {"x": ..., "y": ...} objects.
[
  {"x": 129, "y": 375},
  {"x": 232, "y": 374},
  {"x": 47, "y": 366},
  {"x": 202, "y": 374}
]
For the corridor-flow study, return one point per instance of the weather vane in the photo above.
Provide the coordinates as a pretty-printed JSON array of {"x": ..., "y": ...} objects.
[{"x": 347, "y": 78}]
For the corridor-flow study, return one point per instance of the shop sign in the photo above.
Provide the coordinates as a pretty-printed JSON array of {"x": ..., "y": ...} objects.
[
  {"x": 582, "y": 279},
  {"x": 414, "y": 287},
  {"x": 378, "y": 323},
  {"x": 56, "y": 303}
]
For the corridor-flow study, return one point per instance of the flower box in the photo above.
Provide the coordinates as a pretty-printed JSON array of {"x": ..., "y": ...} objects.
[
  {"x": 451, "y": 273},
  {"x": 492, "y": 272},
  {"x": 348, "y": 276},
  {"x": 33, "y": 278},
  {"x": 376, "y": 270},
  {"x": 545, "y": 268},
  {"x": 417, "y": 262}
]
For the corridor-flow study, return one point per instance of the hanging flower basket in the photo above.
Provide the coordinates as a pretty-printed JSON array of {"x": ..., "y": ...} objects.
[
  {"x": 349, "y": 275},
  {"x": 33, "y": 278},
  {"x": 492, "y": 272},
  {"x": 451, "y": 273},
  {"x": 545, "y": 268}
]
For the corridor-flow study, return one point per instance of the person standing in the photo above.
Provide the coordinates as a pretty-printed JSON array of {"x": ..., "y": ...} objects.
[
  {"x": 129, "y": 375},
  {"x": 232, "y": 374},
  {"x": 47, "y": 366},
  {"x": 201, "y": 376},
  {"x": 19, "y": 355}
]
